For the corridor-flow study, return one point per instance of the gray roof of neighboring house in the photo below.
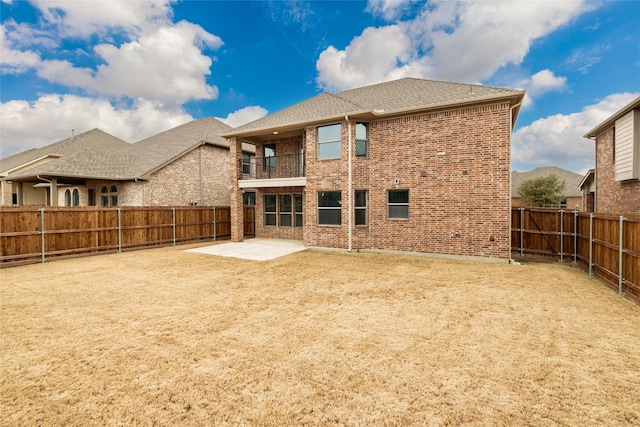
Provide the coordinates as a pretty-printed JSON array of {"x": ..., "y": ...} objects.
[
  {"x": 98, "y": 155},
  {"x": 96, "y": 141},
  {"x": 611, "y": 121},
  {"x": 572, "y": 180},
  {"x": 383, "y": 99}
]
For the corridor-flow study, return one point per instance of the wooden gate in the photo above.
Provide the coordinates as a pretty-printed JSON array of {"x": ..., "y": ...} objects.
[{"x": 249, "y": 215}]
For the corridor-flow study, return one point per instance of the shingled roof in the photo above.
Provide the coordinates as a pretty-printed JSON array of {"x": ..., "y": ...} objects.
[
  {"x": 572, "y": 180},
  {"x": 383, "y": 99},
  {"x": 93, "y": 144},
  {"x": 98, "y": 155}
]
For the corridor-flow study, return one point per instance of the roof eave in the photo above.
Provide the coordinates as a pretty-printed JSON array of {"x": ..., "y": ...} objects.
[
  {"x": 514, "y": 97},
  {"x": 611, "y": 121}
]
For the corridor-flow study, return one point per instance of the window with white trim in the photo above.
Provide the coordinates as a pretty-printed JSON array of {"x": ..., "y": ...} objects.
[
  {"x": 76, "y": 197},
  {"x": 330, "y": 142}
]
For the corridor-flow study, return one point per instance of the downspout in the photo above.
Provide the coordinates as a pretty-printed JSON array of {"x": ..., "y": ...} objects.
[
  {"x": 200, "y": 168},
  {"x": 512, "y": 124},
  {"x": 595, "y": 174},
  {"x": 349, "y": 188},
  {"x": 50, "y": 189}
]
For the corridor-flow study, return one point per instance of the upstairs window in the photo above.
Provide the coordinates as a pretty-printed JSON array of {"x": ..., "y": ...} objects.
[
  {"x": 76, "y": 197},
  {"x": 269, "y": 157},
  {"x": 398, "y": 204},
  {"x": 361, "y": 139},
  {"x": 330, "y": 142},
  {"x": 246, "y": 163},
  {"x": 67, "y": 198}
]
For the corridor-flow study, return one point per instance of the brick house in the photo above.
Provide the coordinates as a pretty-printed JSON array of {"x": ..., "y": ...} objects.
[
  {"x": 572, "y": 195},
  {"x": 588, "y": 188},
  {"x": 617, "y": 171},
  {"x": 186, "y": 165},
  {"x": 408, "y": 165}
]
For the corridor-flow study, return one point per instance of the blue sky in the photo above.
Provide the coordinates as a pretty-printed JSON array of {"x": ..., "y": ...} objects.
[{"x": 136, "y": 68}]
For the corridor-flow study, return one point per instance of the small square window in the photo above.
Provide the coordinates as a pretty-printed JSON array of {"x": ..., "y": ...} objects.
[{"x": 398, "y": 204}]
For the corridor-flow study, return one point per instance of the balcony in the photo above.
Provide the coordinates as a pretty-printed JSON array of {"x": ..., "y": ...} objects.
[{"x": 273, "y": 171}]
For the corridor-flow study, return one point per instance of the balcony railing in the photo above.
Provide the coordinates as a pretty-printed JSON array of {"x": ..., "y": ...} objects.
[{"x": 290, "y": 166}]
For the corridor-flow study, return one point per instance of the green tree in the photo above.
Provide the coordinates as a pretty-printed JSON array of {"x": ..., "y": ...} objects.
[{"x": 542, "y": 191}]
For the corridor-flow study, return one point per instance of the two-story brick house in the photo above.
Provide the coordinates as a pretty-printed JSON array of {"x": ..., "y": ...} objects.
[
  {"x": 617, "y": 171},
  {"x": 408, "y": 165},
  {"x": 185, "y": 165}
]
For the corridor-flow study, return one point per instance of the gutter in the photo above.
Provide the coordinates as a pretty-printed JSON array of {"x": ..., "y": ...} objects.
[{"x": 373, "y": 113}]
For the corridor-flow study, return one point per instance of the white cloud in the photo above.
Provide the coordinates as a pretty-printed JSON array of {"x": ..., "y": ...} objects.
[
  {"x": 85, "y": 18},
  {"x": 559, "y": 139},
  {"x": 388, "y": 9},
  {"x": 456, "y": 41},
  {"x": 244, "y": 115},
  {"x": 370, "y": 58},
  {"x": 50, "y": 118},
  {"x": 161, "y": 61},
  {"x": 15, "y": 61},
  {"x": 540, "y": 83},
  {"x": 545, "y": 81}
]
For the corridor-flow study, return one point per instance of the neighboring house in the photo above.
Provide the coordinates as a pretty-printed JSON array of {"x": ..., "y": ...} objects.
[
  {"x": 617, "y": 173},
  {"x": 186, "y": 165},
  {"x": 407, "y": 165},
  {"x": 572, "y": 195},
  {"x": 588, "y": 189}
]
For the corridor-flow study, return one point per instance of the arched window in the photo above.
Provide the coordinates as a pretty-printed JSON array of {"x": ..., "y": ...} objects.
[
  {"x": 114, "y": 195},
  {"x": 67, "y": 198},
  {"x": 109, "y": 196},
  {"x": 76, "y": 197}
]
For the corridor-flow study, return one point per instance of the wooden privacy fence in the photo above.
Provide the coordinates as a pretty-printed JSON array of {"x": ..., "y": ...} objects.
[
  {"x": 606, "y": 246},
  {"x": 29, "y": 235}
]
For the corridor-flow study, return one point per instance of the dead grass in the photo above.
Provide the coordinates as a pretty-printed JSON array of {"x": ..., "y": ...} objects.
[{"x": 167, "y": 337}]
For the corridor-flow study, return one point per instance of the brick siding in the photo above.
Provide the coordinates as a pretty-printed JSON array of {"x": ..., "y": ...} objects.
[
  {"x": 455, "y": 164},
  {"x": 612, "y": 196}
]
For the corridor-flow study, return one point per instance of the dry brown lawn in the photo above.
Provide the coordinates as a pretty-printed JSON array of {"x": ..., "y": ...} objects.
[{"x": 168, "y": 337}]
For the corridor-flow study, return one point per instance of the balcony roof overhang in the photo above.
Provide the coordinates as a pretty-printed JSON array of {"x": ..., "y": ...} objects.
[{"x": 273, "y": 182}]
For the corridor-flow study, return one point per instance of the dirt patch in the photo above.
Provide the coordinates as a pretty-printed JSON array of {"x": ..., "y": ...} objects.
[{"x": 168, "y": 337}]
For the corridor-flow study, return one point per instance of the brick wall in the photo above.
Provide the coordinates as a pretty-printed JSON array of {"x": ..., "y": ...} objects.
[
  {"x": 455, "y": 164},
  {"x": 201, "y": 176},
  {"x": 612, "y": 196}
]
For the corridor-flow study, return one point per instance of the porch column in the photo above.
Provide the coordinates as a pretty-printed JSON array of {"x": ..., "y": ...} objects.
[
  {"x": 54, "y": 192},
  {"x": 237, "y": 218}
]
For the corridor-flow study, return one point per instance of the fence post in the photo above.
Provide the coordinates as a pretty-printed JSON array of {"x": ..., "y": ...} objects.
[
  {"x": 173, "y": 216},
  {"x": 575, "y": 237},
  {"x": 561, "y": 235},
  {"x": 620, "y": 279},
  {"x": 214, "y": 224},
  {"x": 42, "y": 232},
  {"x": 591, "y": 244},
  {"x": 119, "y": 232},
  {"x": 521, "y": 232}
]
